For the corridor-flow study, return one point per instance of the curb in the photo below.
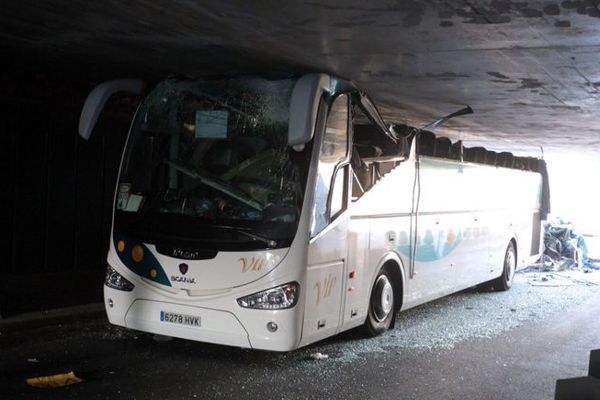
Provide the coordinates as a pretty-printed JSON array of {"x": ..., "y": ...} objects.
[{"x": 51, "y": 317}]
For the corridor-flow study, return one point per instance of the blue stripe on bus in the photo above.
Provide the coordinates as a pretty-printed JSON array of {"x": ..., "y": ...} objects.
[
  {"x": 145, "y": 267},
  {"x": 431, "y": 247}
]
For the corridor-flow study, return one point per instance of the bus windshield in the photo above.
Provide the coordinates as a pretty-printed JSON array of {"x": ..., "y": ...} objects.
[{"x": 208, "y": 162}]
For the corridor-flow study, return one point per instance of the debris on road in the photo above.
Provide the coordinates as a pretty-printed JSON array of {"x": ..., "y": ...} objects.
[
  {"x": 565, "y": 249},
  {"x": 54, "y": 381},
  {"x": 565, "y": 261},
  {"x": 549, "y": 280},
  {"x": 563, "y": 278},
  {"x": 319, "y": 356}
]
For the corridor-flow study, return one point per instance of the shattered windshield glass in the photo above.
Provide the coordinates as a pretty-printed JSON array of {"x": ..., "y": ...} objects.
[{"x": 209, "y": 159}]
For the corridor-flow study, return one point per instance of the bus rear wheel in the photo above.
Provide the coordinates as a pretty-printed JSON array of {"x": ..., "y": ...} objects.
[
  {"x": 504, "y": 282},
  {"x": 381, "y": 305}
]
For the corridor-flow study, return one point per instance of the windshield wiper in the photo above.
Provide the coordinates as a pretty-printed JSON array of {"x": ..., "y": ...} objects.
[
  {"x": 267, "y": 241},
  {"x": 221, "y": 187}
]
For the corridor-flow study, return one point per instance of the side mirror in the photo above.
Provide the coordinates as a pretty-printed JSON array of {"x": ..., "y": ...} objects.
[
  {"x": 304, "y": 107},
  {"x": 97, "y": 99}
]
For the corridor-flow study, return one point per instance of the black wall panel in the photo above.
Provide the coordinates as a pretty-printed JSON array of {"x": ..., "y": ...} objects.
[
  {"x": 57, "y": 193},
  {"x": 30, "y": 197},
  {"x": 88, "y": 203},
  {"x": 7, "y": 175},
  {"x": 61, "y": 192}
]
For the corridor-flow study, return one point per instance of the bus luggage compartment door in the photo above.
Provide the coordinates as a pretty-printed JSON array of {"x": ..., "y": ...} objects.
[{"x": 323, "y": 300}]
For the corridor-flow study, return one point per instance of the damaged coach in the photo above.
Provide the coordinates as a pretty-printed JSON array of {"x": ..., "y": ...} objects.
[{"x": 271, "y": 214}]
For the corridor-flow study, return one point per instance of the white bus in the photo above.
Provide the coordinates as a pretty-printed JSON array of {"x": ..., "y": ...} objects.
[{"x": 270, "y": 214}]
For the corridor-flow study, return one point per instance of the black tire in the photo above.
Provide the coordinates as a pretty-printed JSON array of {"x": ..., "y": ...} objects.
[
  {"x": 486, "y": 286},
  {"x": 382, "y": 305},
  {"x": 504, "y": 282}
]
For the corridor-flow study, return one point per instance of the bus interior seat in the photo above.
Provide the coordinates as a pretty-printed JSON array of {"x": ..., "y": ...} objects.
[
  {"x": 426, "y": 143},
  {"x": 248, "y": 146},
  {"x": 504, "y": 159},
  {"x": 402, "y": 130},
  {"x": 478, "y": 154},
  {"x": 490, "y": 157},
  {"x": 357, "y": 162},
  {"x": 371, "y": 142},
  {"x": 219, "y": 158},
  {"x": 366, "y": 150},
  {"x": 224, "y": 154},
  {"x": 443, "y": 146},
  {"x": 517, "y": 163},
  {"x": 361, "y": 172},
  {"x": 468, "y": 154},
  {"x": 386, "y": 167},
  {"x": 455, "y": 150},
  {"x": 509, "y": 161}
]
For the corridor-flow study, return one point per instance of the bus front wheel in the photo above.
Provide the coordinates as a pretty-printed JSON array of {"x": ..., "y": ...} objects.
[
  {"x": 381, "y": 305},
  {"x": 504, "y": 282}
]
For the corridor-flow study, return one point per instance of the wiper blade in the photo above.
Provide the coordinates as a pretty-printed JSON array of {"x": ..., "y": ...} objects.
[
  {"x": 212, "y": 182},
  {"x": 267, "y": 241}
]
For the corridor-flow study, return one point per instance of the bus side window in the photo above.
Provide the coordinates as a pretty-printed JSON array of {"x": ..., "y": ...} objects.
[
  {"x": 330, "y": 186},
  {"x": 338, "y": 198}
]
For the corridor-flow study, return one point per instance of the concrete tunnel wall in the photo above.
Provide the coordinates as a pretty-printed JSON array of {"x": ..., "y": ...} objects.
[{"x": 57, "y": 194}]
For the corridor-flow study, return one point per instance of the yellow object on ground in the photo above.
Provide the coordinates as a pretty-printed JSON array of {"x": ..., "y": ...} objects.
[{"x": 54, "y": 380}]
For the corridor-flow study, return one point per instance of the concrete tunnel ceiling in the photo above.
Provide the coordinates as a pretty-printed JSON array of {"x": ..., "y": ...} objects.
[{"x": 529, "y": 69}]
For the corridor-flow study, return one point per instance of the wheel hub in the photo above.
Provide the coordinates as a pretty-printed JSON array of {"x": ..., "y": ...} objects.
[
  {"x": 510, "y": 264},
  {"x": 383, "y": 299}
]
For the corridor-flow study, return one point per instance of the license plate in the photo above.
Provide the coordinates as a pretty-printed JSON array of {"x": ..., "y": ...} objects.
[{"x": 181, "y": 319}]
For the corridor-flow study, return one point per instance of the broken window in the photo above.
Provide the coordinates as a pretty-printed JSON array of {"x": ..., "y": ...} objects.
[
  {"x": 330, "y": 186},
  {"x": 374, "y": 154},
  {"x": 209, "y": 154}
]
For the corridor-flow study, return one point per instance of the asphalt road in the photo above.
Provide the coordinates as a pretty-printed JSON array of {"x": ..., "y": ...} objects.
[{"x": 471, "y": 345}]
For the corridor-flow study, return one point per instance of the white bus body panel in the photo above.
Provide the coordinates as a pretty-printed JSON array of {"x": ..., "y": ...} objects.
[
  {"x": 467, "y": 215},
  {"x": 222, "y": 320}
]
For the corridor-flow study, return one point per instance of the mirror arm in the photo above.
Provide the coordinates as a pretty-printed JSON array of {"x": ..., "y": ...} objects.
[{"x": 99, "y": 96}]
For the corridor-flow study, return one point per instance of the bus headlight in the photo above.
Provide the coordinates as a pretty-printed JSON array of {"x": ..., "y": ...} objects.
[
  {"x": 277, "y": 298},
  {"x": 114, "y": 280}
]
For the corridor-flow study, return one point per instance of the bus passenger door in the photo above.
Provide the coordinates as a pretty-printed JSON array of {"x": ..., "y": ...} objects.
[{"x": 328, "y": 247}]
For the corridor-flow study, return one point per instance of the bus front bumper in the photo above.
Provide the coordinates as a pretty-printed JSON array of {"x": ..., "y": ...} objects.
[
  {"x": 210, "y": 322},
  {"x": 194, "y": 323}
]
